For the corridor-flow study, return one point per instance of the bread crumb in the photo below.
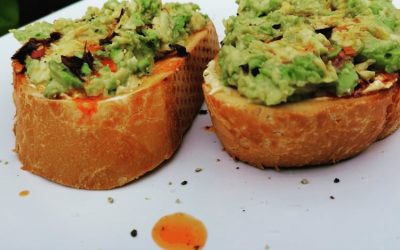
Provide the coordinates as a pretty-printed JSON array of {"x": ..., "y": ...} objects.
[
  {"x": 178, "y": 201},
  {"x": 110, "y": 200},
  {"x": 304, "y": 181},
  {"x": 24, "y": 193},
  {"x": 197, "y": 170}
]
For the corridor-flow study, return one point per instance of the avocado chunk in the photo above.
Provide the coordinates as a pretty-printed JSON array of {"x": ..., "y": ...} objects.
[
  {"x": 62, "y": 80},
  {"x": 348, "y": 80}
]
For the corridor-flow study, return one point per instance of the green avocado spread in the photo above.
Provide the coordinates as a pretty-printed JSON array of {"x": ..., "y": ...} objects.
[
  {"x": 108, "y": 50},
  {"x": 277, "y": 51}
]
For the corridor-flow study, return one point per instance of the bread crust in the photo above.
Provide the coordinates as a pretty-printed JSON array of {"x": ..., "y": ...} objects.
[
  {"x": 310, "y": 132},
  {"x": 103, "y": 144}
]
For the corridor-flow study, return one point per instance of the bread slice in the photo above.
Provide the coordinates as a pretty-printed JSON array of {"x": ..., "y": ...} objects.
[
  {"x": 311, "y": 132},
  {"x": 103, "y": 144}
]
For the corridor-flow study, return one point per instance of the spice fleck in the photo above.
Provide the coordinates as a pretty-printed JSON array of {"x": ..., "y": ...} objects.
[
  {"x": 197, "y": 170},
  {"x": 110, "y": 200},
  {"x": 183, "y": 183},
  {"x": 304, "y": 181},
  {"x": 178, "y": 201},
  {"x": 203, "y": 112},
  {"x": 332, "y": 197},
  {"x": 336, "y": 180},
  {"x": 134, "y": 233},
  {"x": 237, "y": 168}
]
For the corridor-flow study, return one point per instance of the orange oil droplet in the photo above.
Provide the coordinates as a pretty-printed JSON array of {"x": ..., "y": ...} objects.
[
  {"x": 179, "y": 231},
  {"x": 24, "y": 193}
]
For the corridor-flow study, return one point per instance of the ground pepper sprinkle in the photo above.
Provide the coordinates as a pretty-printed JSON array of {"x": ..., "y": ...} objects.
[
  {"x": 134, "y": 233},
  {"x": 183, "y": 183},
  {"x": 304, "y": 181},
  {"x": 336, "y": 180}
]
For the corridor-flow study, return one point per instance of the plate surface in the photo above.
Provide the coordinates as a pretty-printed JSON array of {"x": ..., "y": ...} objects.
[{"x": 241, "y": 207}]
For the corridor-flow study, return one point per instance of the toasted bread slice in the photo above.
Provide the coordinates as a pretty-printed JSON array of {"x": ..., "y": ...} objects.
[
  {"x": 106, "y": 143},
  {"x": 311, "y": 132}
]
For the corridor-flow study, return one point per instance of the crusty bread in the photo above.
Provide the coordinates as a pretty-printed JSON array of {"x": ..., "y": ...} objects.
[
  {"x": 311, "y": 132},
  {"x": 103, "y": 144}
]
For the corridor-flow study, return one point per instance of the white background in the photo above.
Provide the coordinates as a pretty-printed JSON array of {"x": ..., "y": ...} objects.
[{"x": 243, "y": 208}]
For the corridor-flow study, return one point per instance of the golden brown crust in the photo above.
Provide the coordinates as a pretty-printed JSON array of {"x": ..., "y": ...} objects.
[
  {"x": 104, "y": 144},
  {"x": 312, "y": 132}
]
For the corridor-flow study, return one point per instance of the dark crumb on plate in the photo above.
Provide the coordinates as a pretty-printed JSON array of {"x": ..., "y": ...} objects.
[
  {"x": 203, "y": 112},
  {"x": 170, "y": 183},
  {"x": 336, "y": 180},
  {"x": 269, "y": 177},
  {"x": 209, "y": 128},
  {"x": 218, "y": 160},
  {"x": 183, "y": 183},
  {"x": 304, "y": 181},
  {"x": 6, "y": 163},
  {"x": 237, "y": 168},
  {"x": 197, "y": 170},
  {"x": 178, "y": 201},
  {"x": 110, "y": 200},
  {"x": 243, "y": 210},
  {"x": 134, "y": 233},
  {"x": 332, "y": 197}
]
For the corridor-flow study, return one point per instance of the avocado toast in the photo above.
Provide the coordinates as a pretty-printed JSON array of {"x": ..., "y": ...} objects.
[
  {"x": 106, "y": 98},
  {"x": 300, "y": 83}
]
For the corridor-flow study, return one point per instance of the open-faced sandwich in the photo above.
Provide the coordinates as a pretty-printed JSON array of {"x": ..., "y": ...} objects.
[
  {"x": 106, "y": 98},
  {"x": 305, "y": 82}
]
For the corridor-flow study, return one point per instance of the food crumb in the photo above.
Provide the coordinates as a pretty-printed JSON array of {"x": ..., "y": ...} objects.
[
  {"x": 267, "y": 247},
  {"x": 203, "y": 112},
  {"x": 183, "y": 183},
  {"x": 6, "y": 163},
  {"x": 170, "y": 183},
  {"x": 178, "y": 201},
  {"x": 197, "y": 170},
  {"x": 147, "y": 198},
  {"x": 304, "y": 181},
  {"x": 237, "y": 168},
  {"x": 209, "y": 128},
  {"x": 332, "y": 197},
  {"x": 218, "y": 160},
  {"x": 269, "y": 177},
  {"x": 336, "y": 180},
  {"x": 243, "y": 210},
  {"x": 24, "y": 193},
  {"x": 110, "y": 200},
  {"x": 134, "y": 233}
]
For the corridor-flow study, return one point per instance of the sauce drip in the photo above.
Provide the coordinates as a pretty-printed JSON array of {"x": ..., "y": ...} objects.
[
  {"x": 179, "y": 231},
  {"x": 24, "y": 193}
]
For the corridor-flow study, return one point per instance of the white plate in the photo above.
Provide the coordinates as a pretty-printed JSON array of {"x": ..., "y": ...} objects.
[{"x": 243, "y": 208}]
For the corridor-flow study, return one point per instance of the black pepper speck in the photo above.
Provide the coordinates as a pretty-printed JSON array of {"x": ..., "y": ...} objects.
[
  {"x": 336, "y": 180},
  {"x": 134, "y": 233},
  {"x": 183, "y": 183},
  {"x": 203, "y": 112}
]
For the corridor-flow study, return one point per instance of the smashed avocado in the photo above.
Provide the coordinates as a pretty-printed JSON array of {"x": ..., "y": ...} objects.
[
  {"x": 277, "y": 51},
  {"x": 108, "y": 49}
]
